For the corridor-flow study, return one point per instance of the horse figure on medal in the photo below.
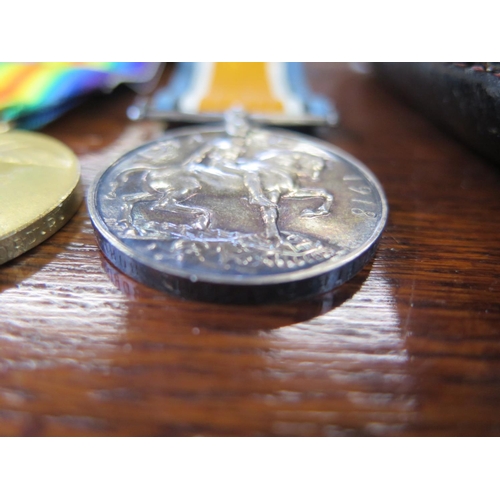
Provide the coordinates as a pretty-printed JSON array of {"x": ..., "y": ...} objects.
[{"x": 221, "y": 165}]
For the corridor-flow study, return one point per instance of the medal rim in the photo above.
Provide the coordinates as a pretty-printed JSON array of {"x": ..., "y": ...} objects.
[
  {"x": 316, "y": 270},
  {"x": 62, "y": 214}
]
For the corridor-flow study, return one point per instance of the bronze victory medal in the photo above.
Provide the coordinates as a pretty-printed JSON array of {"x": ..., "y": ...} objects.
[{"x": 39, "y": 190}]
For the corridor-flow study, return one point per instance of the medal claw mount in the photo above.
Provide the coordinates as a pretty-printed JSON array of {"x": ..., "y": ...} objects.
[{"x": 143, "y": 109}]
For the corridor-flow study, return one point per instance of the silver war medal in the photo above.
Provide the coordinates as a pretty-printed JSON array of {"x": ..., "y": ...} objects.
[{"x": 238, "y": 213}]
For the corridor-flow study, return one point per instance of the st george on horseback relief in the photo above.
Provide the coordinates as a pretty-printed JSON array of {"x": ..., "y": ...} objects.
[{"x": 223, "y": 202}]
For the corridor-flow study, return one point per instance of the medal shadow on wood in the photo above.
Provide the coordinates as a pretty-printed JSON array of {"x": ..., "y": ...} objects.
[
  {"x": 245, "y": 319},
  {"x": 24, "y": 266}
]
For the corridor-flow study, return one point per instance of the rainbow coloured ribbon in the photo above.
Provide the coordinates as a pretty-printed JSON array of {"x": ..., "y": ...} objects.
[{"x": 32, "y": 94}]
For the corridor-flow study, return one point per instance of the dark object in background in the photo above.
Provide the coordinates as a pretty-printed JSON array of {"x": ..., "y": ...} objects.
[{"x": 462, "y": 97}]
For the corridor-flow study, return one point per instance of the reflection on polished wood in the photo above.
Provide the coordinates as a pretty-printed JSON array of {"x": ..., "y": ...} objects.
[{"x": 411, "y": 346}]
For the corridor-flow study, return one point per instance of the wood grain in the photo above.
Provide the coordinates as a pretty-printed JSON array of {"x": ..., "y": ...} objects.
[{"x": 411, "y": 346}]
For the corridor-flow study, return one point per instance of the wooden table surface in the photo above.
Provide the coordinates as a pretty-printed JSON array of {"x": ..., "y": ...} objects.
[{"x": 411, "y": 346}]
